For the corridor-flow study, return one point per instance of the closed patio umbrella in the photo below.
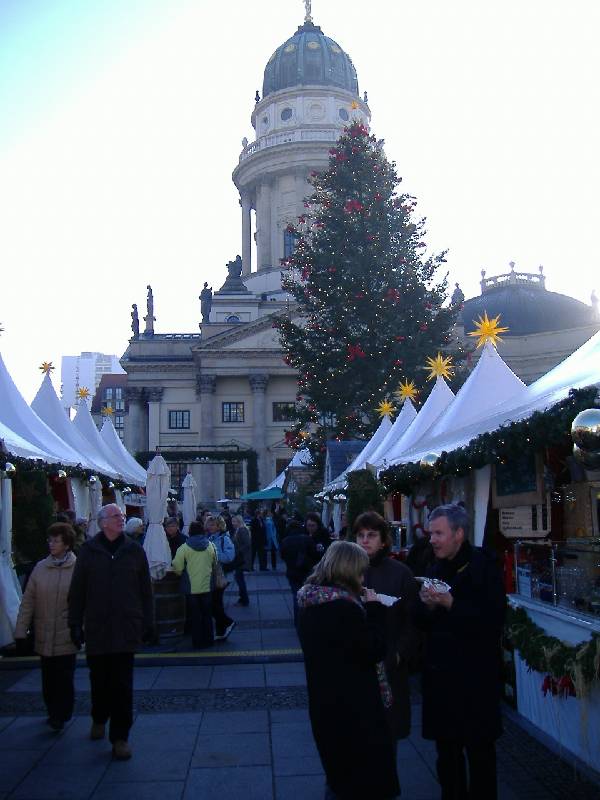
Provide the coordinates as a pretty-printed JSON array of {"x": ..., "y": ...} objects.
[
  {"x": 10, "y": 590},
  {"x": 158, "y": 482},
  {"x": 189, "y": 501}
]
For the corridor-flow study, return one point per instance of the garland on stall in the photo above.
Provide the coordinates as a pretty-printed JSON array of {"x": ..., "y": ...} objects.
[
  {"x": 540, "y": 430},
  {"x": 569, "y": 669},
  {"x": 28, "y": 465}
]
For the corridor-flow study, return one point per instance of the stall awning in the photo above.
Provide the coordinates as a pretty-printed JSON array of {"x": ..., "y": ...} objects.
[{"x": 274, "y": 493}]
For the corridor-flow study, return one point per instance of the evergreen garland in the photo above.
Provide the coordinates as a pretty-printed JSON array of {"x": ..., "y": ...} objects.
[
  {"x": 542, "y": 429},
  {"x": 549, "y": 656}
]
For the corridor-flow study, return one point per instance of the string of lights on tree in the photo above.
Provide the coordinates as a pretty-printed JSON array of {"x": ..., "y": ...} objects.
[{"x": 367, "y": 293}]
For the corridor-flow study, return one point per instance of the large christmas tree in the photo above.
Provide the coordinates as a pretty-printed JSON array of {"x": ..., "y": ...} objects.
[{"x": 368, "y": 296}]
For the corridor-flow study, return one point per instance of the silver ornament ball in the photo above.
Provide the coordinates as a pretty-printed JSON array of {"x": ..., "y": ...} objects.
[{"x": 585, "y": 429}]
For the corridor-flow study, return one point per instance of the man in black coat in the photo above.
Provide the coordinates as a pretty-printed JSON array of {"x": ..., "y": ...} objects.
[
  {"x": 299, "y": 553},
  {"x": 258, "y": 538},
  {"x": 110, "y": 603},
  {"x": 461, "y": 671}
]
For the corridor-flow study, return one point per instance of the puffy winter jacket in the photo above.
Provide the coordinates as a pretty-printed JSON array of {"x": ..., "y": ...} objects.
[{"x": 45, "y": 601}]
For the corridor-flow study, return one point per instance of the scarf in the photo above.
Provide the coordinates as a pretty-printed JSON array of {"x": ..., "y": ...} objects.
[
  {"x": 58, "y": 562},
  {"x": 312, "y": 595}
]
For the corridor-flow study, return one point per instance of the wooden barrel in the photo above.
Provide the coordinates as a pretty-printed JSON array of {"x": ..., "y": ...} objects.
[{"x": 169, "y": 607}]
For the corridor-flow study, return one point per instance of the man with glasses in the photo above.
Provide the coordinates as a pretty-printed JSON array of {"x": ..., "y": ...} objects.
[{"x": 110, "y": 604}]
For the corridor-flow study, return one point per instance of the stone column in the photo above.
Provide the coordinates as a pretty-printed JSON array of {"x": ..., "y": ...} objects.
[
  {"x": 136, "y": 422},
  {"x": 154, "y": 395},
  {"x": 246, "y": 234},
  {"x": 258, "y": 384},
  {"x": 263, "y": 225},
  {"x": 205, "y": 389}
]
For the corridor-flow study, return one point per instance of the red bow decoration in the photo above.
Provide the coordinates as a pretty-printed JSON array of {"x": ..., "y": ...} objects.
[
  {"x": 355, "y": 351},
  {"x": 393, "y": 294},
  {"x": 352, "y": 206}
]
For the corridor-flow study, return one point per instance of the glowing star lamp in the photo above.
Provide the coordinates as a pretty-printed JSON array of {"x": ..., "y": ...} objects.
[
  {"x": 439, "y": 367},
  {"x": 487, "y": 330},
  {"x": 385, "y": 408}
]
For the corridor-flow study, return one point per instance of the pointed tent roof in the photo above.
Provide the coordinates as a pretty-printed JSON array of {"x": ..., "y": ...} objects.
[
  {"x": 385, "y": 426},
  {"x": 406, "y": 416},
  {"x": 135, "y": 473},
  {"x": 302, "y": 458},
  {"x": 440, "y": 397},
  {"x": 490, "y": 387},
  {"x": 85, "y": 425},
  {"x": 16, "y": 415},
  {"x": 49, "y": 409},
  {"x": 491, "y": 383}
]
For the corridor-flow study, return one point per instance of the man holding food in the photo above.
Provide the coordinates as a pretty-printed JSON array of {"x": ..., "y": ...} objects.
[{"x": 461, "y": 612}]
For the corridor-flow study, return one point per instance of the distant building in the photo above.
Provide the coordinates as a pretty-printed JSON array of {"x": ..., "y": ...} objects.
[
  {"x": 544, "y": 327},
  {"x": 85, "y": 371},
  {"x": 111, "y": 394}
]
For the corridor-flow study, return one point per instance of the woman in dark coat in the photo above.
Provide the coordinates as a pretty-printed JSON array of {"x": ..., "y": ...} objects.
[
  {"x": 343, "y": 640},
  {"x": 385, "y": 575},
  {"x": 315, "y": 528}
]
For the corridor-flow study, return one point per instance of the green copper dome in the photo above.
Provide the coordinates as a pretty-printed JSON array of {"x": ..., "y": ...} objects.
[{"x": 309, "y": 58}]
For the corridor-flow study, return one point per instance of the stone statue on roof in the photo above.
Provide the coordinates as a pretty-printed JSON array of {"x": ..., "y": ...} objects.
[
  {"x": 205, "y": 298},
  {"x": 149, "y": 319},
  {"x": 458, "y": 296},
  {"x": 135, "y": 321}
]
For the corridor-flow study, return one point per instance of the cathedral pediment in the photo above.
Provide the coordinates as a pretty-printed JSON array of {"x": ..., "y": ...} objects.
[{"x": 252, "y": 336}]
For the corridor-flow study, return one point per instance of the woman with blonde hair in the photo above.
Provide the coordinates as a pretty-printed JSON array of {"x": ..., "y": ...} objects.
[{"x": 342, "y": 632}]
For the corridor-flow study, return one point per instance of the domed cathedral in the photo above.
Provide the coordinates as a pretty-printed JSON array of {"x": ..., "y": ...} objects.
[
  {"x": 204, "y": 397},
  {"x": 309, "y": 93},
  {"x": 544, "y": 327}
]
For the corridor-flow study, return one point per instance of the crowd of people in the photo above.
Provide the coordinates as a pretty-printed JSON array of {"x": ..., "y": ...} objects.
[{"x": 365, "y": 622}]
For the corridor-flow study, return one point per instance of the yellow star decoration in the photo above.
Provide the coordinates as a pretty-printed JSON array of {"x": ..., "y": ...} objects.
[
  {"x": 439, "y": 367},
  {"x": 83, "y": 393},
  {"x": 304, "y": 434},
  {"x": 385, "y": 408},
  {"x": 487, "y": 330},
  {"x": 407, "y": 391},
  {"x": 107, "y": 411},
  {"x": 354, "y": 105},
  {"x": 46, "y": 367}
]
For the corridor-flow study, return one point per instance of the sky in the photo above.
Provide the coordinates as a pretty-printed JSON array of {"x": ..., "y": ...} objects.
[{"x": 121, "y": 122}]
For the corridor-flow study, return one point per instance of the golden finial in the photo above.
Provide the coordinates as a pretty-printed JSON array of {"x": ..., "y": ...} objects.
[
  {"x": 439, "y": 367},
  {"x": 354, "y": 105},
  {"x": 385, "y": 408},
  {"x": 487, "y": 330},
  {"x": 407, "y": 391},
  {"x": 46, "y": 367},
  {"x": 83, "y": 393},
  {"x": 107, "y": 411}
]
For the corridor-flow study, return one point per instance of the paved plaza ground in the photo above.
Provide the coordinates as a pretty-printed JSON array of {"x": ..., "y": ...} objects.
[{"x": 229, "y": 723}]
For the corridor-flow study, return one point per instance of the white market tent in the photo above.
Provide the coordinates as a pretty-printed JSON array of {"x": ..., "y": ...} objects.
[
  {"x": 133, "y": 471},
  {"x": 360, "y": 461},
  {"x": 86, "y": 426},
  {"x": 48, "y": 407},
  {"x": 407, "y": 415},
  {"x": 580, "y": 369},
  {"x": 16, "y": 445},
  {"x": 17, "y": 416},
  {"x": 440, "y": 397}
]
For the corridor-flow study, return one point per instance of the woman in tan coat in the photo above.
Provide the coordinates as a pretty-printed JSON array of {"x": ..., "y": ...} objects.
[{"x": 45, "y": 603}]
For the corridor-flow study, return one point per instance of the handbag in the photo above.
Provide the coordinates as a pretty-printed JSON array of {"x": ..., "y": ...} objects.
[{"x": 218, "y": 579}]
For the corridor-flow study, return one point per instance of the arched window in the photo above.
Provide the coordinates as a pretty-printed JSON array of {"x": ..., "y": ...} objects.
[{"x": 232, "y": 318}]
